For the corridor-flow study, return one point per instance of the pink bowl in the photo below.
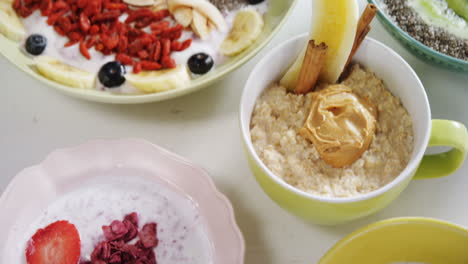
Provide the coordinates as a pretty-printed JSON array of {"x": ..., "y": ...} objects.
[{"x": 33, "y": 189}]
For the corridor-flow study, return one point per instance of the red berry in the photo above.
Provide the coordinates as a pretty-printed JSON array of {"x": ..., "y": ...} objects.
[{"x": 58, "y": 243}]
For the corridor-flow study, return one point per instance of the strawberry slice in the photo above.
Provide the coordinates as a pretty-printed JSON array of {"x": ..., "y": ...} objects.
[{"x": 58, "y": 243}]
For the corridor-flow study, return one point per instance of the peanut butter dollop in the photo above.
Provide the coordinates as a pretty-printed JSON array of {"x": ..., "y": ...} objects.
[{"x": 340, "y": 124}]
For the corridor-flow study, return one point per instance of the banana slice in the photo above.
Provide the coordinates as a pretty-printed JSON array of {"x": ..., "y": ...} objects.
[
  {"x": 159, "y": 5},
  {"x": 335, "y": 23},
  {"x": 65, "y": 74},
  {"x": 200, "y": 25},
  {"x": 205, "y": 8},
  {"x": 139, "y": 2},
  {"x": 10, "y": 25},
  {"x": 248, "y": 25},
  {"x": 160, "y": 81},
  {"x": 183, "y": 16}
]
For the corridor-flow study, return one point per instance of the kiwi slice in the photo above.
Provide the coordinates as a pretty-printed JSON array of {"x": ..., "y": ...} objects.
[{"x": 460, "y": 7}]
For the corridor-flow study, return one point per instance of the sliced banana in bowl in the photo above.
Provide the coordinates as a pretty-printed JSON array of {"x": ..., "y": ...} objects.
[
  {"x": 65, "y": 74},
  {"x": 201, "y": 15},
  {"x": 247, "y": 27},
  {"x": 160, "y": 81},
  {"x": 10, "y": 24}
]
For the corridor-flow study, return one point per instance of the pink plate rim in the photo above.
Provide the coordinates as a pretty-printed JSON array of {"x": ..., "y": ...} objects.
[{"x": 215, "y": 209}]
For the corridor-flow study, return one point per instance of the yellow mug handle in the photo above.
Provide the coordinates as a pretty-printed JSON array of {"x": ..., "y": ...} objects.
[{"x": 449, "y": 134}]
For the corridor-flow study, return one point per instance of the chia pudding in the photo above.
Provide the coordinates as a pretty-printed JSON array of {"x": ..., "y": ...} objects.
[{"x": 432, "y": 23}]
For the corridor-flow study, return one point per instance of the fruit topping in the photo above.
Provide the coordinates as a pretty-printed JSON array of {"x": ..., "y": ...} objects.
[
  {"x": 112, "y": 74},
  {"x": 116, "y": 249},
  {"x": 160, "y": 81},
  {"x": 200, "y": 63},
  {"x": 143, "y": 39},
  {"x": 36, "y": 44},
  {"x": 64, "y": 73},
  {"x": 255, "y": 2},
  {"x": 57, "y": 243},
  {"x": 334, "y": 22},
  {"x": 248, "y": 25},
  {"x": 460, "y": 7},
  {"x": 139, "y": 2},
  {"x": 10, "y": 25},
  {"x": 203, "y": 16}
]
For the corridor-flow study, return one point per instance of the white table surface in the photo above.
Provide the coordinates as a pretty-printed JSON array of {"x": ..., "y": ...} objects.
[{"x": 203, "y": 127}]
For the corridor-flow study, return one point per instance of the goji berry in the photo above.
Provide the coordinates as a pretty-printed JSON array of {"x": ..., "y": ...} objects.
[
  {"x": 161, "y": 14},
  {"x": 85, "y": 24},
  {"x": 137, "y": 67},
  {"x": 123, "y": 44},
  {"x": 110, "y": 15},
  {"x": 166, "y": 47},
  {"x": 60, "y": 5},
  {"x": 46, "y": 7},
  {"x": 59, "y": 31},
  {"x": 53, "y": 18},
  {"x": 157, "y": 51},
  {"x": 99, "y": 47},
  {"x": 168, "y": 62},
  {"x": 94, "y": 29},
  {"x": 84, "y": 50},
  {"x": 111, "y": 42},
  {"x": 92, "y": 41},
  {"x": 75, "y": 36},
  {"x": 70, "y": 43},
  {"x": 150, "y": 66},
  {"x": 186, "y": 44},
  {"x": 17, "y": 4},
  {"x": 82, "y": 3},
  {"x": 143, "y": 54},
  {"x": 143, "y": 22},
  {"x": 137, "y": 14},
  {"x": 124, "y": 59},
  {"x": 104, "y": 28},
  {"x": 119, "y": 6},
  {"x": 176, "y": 45}
]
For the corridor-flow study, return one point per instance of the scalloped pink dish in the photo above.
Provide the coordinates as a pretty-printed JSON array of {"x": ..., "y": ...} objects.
[{"x": 94, "y": 183}]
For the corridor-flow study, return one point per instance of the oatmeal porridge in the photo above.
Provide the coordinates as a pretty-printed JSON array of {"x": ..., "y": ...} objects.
[{"x": 278, "y": 117}]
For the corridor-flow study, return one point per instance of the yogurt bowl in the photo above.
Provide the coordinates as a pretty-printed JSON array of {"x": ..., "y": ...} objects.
[
  {"x": 403, "y": 83},
  {"x": 276, "y": 13},
  {"x": 101, "y": 181}
]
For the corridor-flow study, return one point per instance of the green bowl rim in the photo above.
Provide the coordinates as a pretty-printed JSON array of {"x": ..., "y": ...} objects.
[
  {"x": 384, "y": 18},
  {"x": 106, "y": 97}
]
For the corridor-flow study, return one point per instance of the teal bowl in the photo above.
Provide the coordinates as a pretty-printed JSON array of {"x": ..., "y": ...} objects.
[{"x": 416, "y": 47}]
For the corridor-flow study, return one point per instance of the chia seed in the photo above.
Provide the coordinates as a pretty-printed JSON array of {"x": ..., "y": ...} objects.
[
  {"x": 436, "y": 38},
  {"x": 229, "y": 5}
]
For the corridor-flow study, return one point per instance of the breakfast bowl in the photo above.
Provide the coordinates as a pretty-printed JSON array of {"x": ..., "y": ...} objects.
[
  {"x": 96, "y": 183},
  {"x": 417, "y": 47},
  {"x": 182, "y": 82},
  {"x": 403, "y": 83},
  {"x": 402, "y": 240}
]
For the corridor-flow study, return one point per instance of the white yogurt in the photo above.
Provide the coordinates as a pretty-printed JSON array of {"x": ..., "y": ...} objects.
[
  {"x": 36, "y": 24},
  {"x": 182, "y": 235}
]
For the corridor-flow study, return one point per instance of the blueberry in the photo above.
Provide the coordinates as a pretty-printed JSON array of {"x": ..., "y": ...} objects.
[
  {"x": 36, "y": 44},
  {"x": 200, "y": 63},
  {"x": 112, "y": 74},
  {"x": 254, "y": 2}
]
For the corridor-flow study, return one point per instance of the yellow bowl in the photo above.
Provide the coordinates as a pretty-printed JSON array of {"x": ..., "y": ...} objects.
[
  {"x": 400, "y": 240},
  {"x": 275, "y": 17}
]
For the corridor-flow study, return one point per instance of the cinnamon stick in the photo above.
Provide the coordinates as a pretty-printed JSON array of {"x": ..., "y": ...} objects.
[
  {"x": 311, "y": 67},
  {"x": 363, "y": 29}
]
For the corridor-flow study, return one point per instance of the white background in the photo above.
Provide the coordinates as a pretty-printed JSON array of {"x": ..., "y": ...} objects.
[{"x": 203, "y": 127}]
